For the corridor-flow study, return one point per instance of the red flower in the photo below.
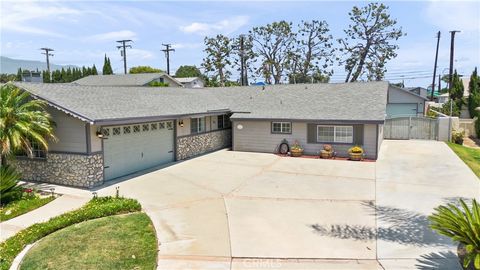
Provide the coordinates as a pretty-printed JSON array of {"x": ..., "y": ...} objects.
[{"x": 28, "y": 190}]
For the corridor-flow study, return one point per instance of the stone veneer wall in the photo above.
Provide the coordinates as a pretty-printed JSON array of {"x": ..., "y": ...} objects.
[
  {"x": 64, "y": 169},
  {"x": 197, "y": 144}
]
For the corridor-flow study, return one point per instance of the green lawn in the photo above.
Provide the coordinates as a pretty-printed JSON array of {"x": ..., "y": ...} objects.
[
  {"x": 470, "y": 156},
  {"x": 114, "y": 242},
  {"x": 22, "y": 206}
]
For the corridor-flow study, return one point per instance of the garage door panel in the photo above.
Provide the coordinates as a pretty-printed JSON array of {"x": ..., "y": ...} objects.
[
  {"x": 137, "y": 147},
  {"x": 403, "y": 109}
]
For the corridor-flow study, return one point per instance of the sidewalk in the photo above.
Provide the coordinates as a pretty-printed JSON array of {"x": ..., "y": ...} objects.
[{"x": 57, "y": 207}]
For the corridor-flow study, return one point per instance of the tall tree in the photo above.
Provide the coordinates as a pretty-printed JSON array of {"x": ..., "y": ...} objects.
[
  {"x": 474, "y": 95},
  {"x": 188, "y": 71},
  {"x": 107, "y": 67},
  {"x": 19, "y": 75},
  {"x": 457, "y": 90},
  {"x": 144, "y": 69},
  {"x": 245, "y": 50},
  {"x": 23, "y": 120},
  {"x": 313, "y": 54},
  {"x": 367, "y": 47},
  {"x": 94, "y": 70},
  {"x": 274, "y": 43},
  {"x": 218, "y": 50}
]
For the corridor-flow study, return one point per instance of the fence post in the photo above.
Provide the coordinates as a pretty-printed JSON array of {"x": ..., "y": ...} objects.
[{"x": 409, "y": 126}]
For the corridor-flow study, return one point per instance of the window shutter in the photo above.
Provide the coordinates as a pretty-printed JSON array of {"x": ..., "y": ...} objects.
[
  {"x": 311, "y": 133},
  {"x": 358, "y": 134}
]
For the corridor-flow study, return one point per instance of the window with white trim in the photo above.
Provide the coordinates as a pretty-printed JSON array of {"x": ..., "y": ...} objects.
[
  {"x": 335, "y": 134},
  {"x": 37, "y": 150},
  {"x": 282, "y": 127},
  {"x": 197, "y": 125}
]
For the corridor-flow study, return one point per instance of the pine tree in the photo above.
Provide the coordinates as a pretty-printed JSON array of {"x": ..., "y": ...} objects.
[
  {"x": 69, "y": 76},
  {"x": 107, "y": 67},
  {"x": 46, "y": 76},
  {"x": 63, "y": 75},
  {"x": 474, "y": 96},
  {"x": 56, "y": 76},
  {"x": 94, "y": 70},
  {"x": 19, "y": 75}
]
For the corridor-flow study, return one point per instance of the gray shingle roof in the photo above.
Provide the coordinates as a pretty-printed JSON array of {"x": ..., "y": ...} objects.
[
  {"x": 361, "y": 101},
  {"x": 186, "y": 79},
  {"x": 342, "y": 102},
  {"x": 121, "y": 79},
  {"x": 104, "y": 104}
]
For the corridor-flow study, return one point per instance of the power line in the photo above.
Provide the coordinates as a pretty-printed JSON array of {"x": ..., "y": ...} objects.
[
  {"x": 123, "y": 52},
  {"x": 167, "y": 51}
]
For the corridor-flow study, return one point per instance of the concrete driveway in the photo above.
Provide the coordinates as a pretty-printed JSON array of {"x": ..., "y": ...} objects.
[{"x": 236, "y": 210}]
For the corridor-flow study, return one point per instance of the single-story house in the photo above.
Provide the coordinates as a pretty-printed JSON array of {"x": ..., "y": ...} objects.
[
  {"x": 191, "y": 82},
  {"x": 140, "y": 79},
  {"x": 402, "y": 102},
  {"x": 107, "y": 132}
]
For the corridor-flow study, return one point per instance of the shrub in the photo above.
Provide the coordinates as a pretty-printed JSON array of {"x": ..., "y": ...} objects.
[
  {"x": 356, "y": 150},
  {"x": 9, "y": 187},
  {"x": 158, "y": 84},
  {"x": 461, "y": 225},
  {"x": 457, "y": 136},
  {"x": 95, "y": 208}
]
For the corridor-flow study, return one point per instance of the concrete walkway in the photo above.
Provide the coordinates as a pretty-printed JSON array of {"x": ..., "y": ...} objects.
[
  {"x": 57, "y": 207},
  {"x": 235, "y": 210}
]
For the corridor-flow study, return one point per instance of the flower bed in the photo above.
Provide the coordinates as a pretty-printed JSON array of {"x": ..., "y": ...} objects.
[{"x": 95, "y": 208}]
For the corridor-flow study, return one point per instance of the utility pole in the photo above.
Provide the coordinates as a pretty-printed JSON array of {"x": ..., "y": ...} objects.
[
  {"x": 439, "y": 83},
  {"x": 47, "y": 54},
  {"x": 242, "y": 61},
  {"x": 435, "y": 66},
  {"x": 123, "y": 51},
  {"x": 167, "y": 50},
  {"x": 450, "y": 80}
]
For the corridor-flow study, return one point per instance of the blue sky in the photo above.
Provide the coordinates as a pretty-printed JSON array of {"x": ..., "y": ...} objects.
[{"x": 81, "y": 32}]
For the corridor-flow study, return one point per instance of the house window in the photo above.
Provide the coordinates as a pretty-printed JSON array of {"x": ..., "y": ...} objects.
[
  {"x": 282, "y": 127},
  {"x": 336, "y": 134},
  {"x": 116, "y": 131},
  {"x": 170, "y": 125},
  {"x": 136, "y": 128},
  {"x": 37, "y": 151},
  {"x": 197, "y": 125},
  {"x": 223, "y": 121},
  {"x": 145, "y": 127},
  {"x": 126, "y": 130},
  {"x": 161, "y": 125},
  {"x": 154, "y": 126}
]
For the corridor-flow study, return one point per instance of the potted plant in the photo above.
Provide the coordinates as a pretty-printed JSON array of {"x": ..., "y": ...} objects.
[
  {"x": 296, "y": 150},
  {"x": 462, "y": 225},
  {"x": 356, "y": 153},
  {"x": 327, "y": 151}
]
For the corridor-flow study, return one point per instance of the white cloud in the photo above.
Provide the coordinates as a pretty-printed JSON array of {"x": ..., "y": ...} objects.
[
  {"x": 454, "y": 15},
  {"x": 22, "y": 16},
  {"x": 112, "y": 36},
  {"x": 187, "y": 45},
  {"x": 226, "y": 26}
]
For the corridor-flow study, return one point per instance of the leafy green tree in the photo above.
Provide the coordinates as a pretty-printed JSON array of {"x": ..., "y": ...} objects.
[
  {"x": 46, "y": 76},
  {"x": 456, "y": 92},
  {"x": 57, "y": 76},
  {"x": 4, "y": 78},
  {"x": 94, "y": 70},
  {"x": 249, "y": 56},
  {"x": 274, "y": 43},
  {"x": 218, "y": 50},
  {"x": 474, "y": 95},
  {"x": 19, "y": 75},
  {"x": 23, "y": 120},
  {"x": 313, "y": 53},
  {"x": 107, "y": 67},
  {"x": 367, "y": 47},
  {"x": 188, "y": 71},
  {"x": 144, "y": 69}
]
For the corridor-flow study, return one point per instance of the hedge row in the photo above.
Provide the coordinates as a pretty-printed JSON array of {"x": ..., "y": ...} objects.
[{"x": 95, "y": 208}]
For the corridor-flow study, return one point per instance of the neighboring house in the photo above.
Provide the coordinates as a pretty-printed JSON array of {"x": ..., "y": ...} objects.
[
  {"x": 423, "y": 92},
  {"x": 191, "y": 82},
  {"x": 402, "y": 102},
  {"x": 108, "y": 132},
  {"x": 32, "y": 76},
  {"x": 140, "y": 79}
]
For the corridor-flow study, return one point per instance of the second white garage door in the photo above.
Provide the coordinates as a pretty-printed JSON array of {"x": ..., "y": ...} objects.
[{"x": 132, "y": 148}]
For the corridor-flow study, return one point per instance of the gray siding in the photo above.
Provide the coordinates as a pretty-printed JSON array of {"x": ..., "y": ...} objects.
[
  {"x": 256, "y": 136},
  {"x": 380, "y": 137},
  {"x": 399, "y": 96},
  {"x": 95, "y": 142},
  {"x": 71, "y": 133}
]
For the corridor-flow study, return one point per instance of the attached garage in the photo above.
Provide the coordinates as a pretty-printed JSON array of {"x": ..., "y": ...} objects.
[
  {"x": 132, "y": 148},
  {"x": 402, "y": 103},
  {"x": 404, "y": 109}
]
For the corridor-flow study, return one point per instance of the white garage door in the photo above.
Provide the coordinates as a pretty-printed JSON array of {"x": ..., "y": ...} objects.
[{"x": 128, "y": 149}]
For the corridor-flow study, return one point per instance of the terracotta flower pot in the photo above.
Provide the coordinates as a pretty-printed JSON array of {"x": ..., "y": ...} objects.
[
  {"x": 356, "y": 156},
  {"x": 296, "y": 152},
  {"x": 326, "y": 154}
]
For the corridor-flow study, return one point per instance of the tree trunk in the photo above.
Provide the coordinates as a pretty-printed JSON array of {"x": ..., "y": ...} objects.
[
  {"x": 222, "y": 77},
  {"x": 4, "y": 160},
  {"x": 363, "y": 56}
]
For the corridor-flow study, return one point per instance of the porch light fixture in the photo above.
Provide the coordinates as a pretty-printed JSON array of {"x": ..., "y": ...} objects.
[
  {"x": 180, "y": 123},
  {"x": 99, "y": 134},
  {"x": 239, "y": 126}
]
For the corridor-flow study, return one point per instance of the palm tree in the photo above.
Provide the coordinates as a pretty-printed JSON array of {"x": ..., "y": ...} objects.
[{"x": 23, "y": 120}]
